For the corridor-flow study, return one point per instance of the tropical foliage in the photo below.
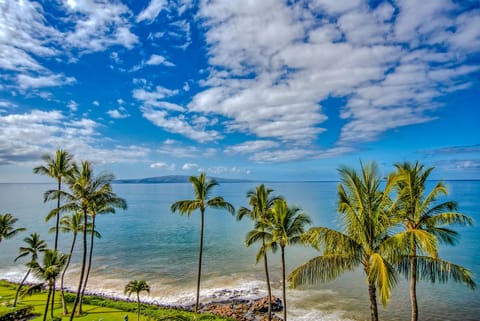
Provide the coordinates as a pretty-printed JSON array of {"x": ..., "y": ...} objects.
[
  {"x": 364, "y": 208},
  {"x": 425, "y": 223},
  {"x": 35, "y": 245},
  {"x": 137, "y": 287},
  {"x": 7, "y": 229},
  {"x": 261, "y": 203},
  {"x": 202, "y": 188},
  {"x": 53, "y": 263}
]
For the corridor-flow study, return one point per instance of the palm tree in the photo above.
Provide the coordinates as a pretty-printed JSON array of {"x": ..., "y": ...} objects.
[
  {"x": 86, "y": 189},
  {"x": 103, "y": 203},
  {"x": 261, "y": 203},
  {"x": 57, "y": 167},
  {"x": 53, "y": 263},
  {"x": 425, "y": 223},
  {"x": 34, "y": 246},
  {"x": 7, "y": 230},
  {"x": 363, "y": 242},
  {"x": 71, "y": 224},
  {"x": 137, "y": 287},
  {"x": 287, "y": 228},
  {"x": 202, "y": 189}
]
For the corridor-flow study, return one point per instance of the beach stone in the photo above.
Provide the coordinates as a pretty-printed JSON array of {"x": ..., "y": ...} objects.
[{"x": 244, "y": 310}]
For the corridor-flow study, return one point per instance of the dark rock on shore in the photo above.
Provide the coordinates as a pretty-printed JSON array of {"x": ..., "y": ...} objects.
[{"x": 244, "y": 310}]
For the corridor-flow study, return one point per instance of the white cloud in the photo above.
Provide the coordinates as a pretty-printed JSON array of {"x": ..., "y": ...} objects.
[
  {"x": 189, "y": 166},
  {"x": 26, "y": 81},
  {"x": 25, "y": 137},
  {"x": 252, "y": 147},
  {"x": 96, "y": 103},
  {"x": 163, "y": 165},
  {"x": 152, "y": 11},
  {"x": 390, "y": 64},
  {"x": 178, "y": 124},
  {"x": 99, "y": 25},
  {"x": 119, "y": 113},
  {"x": 72, "y": 105},
  {"x": 156, "y": 98},
  {"x": 159, "y": 60}
]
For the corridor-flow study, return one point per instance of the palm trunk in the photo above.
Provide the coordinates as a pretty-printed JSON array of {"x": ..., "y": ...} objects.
[
  {"x": 199, "y": 262},
  {"x": 64, "y": 304},
  {"x": 283, "y": 286},
  {"x": 267, "y": 276},
  {"x": 373, "y": 302},
  {"x": 20, "y": 286},
  {"x": 413, "y": 285},
  {"x": 57, "y": 228},
  {"x": 89, "y": 262},
  {"x": 138, "y": 309},
  {"x": 48, "y": 301},
  {"x": 84, "y": 262}
]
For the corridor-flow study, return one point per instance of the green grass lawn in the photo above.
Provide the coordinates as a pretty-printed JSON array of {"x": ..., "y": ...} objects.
[{"x": 95, "y": 309}]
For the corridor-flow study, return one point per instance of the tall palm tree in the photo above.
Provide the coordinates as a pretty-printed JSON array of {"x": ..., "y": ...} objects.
[
  {"x": 58, "y": 167},
  {"x": 103, "y": 203},
  {"x": 261, "y": 203},
  {"x": 364, "y": 211},
  {"x": 85, "y": 189},
  {"x": 53, "y": 263},
  {"x": 287, "y": 228},
  {"x": 7, "y": 229},
  {"x": 34, "y": 246},
  {"x": 425, "y": 223},
  {"x": 202, "y": 189},
  {"x": 137, "y": 287}
]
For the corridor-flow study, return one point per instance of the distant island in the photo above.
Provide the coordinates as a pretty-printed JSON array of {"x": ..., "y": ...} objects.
[{"x": 174, "y": 179}]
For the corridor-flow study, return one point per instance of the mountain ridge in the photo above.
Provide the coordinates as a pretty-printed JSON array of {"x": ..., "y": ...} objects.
[{"x": 174, "y": 179}]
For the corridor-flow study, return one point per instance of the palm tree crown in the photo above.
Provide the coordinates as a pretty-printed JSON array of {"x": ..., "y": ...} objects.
[
  {"x": 137, "y": 287},
  {"x": 7, "y": 229},
  {"x": 425, "y": 223},
  {"x": 364, "y": 209}
]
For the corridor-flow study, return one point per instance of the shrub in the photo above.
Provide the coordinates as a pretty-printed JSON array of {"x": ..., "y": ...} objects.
[{"x": 16, "y": 313}]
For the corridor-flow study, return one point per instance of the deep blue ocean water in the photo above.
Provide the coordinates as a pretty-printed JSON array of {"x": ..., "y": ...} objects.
[{"x": 148, "y": 241}]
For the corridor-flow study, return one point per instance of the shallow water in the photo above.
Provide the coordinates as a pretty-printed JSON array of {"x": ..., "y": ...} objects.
[{"x": 148, "y": 241}]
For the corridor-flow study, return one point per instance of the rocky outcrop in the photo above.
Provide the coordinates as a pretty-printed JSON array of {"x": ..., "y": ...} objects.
[{"x": 244, "y": 310}]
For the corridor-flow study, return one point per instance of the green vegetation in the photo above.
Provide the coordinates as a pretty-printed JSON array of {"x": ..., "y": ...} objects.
[
  {"x": 137, "y": 287},
  {"x": 202, "y": 189},
  {"x": 261, "y": 204},
  {"x": 370, "y": 216},
  {"x": 7, "y": 229},
  {"x": 97, "y": 308},
  {"x": 425, "y": 224}
]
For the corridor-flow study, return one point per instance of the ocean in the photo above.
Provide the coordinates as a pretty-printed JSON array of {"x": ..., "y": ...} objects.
[{"x": 148, "y": 242}]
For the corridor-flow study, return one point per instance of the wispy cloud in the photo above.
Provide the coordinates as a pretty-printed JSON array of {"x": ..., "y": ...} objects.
[{"x": 152, "y": 10}]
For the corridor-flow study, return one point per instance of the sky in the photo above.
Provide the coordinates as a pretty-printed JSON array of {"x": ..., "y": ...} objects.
[{"x": 262, "y": 90}]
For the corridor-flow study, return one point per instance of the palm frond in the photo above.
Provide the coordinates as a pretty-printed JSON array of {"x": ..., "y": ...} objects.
[
  {"x": 321, "y": 269},
  {"x": 382, "y": 275}
]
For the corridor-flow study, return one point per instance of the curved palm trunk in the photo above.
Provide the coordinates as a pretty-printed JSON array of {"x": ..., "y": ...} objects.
[
  {"x": 64, "y": 304},
  {"x": 138, "y": 306},
  {"x": 373, "y": 302},
  {"x": 199, "y": 262},
  {"x": 89, "y": 262},
  {"x": 84, "y": 262},
  {"x": 57, "y": 228},
  {"x": 413, "y": 285},
  {"x": 48, "y": 301},
  {"x": 267, "y": 276},
  {"x": 20, "y": 286},
  {"x": 283, "y": 286}
]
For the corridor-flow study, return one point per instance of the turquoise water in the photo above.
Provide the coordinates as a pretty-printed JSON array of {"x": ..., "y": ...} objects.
[{"x": 148, "y": 241}]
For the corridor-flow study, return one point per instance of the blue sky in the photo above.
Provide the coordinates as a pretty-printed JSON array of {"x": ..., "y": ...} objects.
[{"x": 269, "y": 90}]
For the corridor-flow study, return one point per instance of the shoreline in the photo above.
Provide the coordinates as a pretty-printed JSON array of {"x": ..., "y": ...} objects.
[{"x": 236, "y": 306}]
